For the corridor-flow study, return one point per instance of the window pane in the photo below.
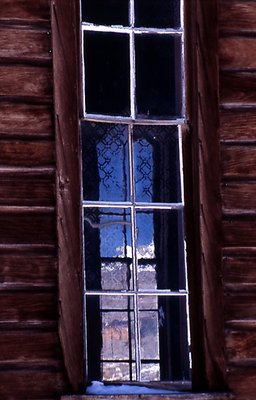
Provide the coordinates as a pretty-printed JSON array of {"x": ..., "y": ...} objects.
[
  {"x": 168, "y": 325},
  {"x": 105, "y": 12},
  {"x": 157, "y": 13},
  {"x": 111, "y": 337},
  {"x": 107, "y": 81},
  {"x": 107, "y": 249},
  {"x": 160, "y": 249},
  {"x": 158, "y": 76},
  {"x": 157, "y": 164},
  {"x": 105, "y": 162}
]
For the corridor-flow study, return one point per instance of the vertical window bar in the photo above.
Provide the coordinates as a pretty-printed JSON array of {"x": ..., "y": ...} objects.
[
  {"x": 132, "y": 75},
  {"x": 182, "y": 16},
  {"x": 134, "y": 262},
  {"x": 83, "y": 73}
]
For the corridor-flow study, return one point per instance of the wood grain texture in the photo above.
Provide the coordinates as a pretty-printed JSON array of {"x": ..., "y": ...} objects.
[
  {"x": 237, "y": 124},
  {"x": 237, "y": 15},
  {"x": 240, "y": 345},
  {"x": 25, "y": 45},
  {"x": 66, "y": 73},
  {"x": 28, "y": 306},
  {"x": 25, "y": 119},
  {"x": 27, "y": 11},
  {"x": 29, "y": 348},
  {"x": 18, "y": 228},
  {"x": 27, "y": 190},
  {"x": 240, "y": 306},
  {"x": 239, "y": 233},
  {"x": 177, "y": 396},
  {"x": 237, "y": 52},
  {"x": 238, "y": 196},
  {"x": 27, "y": 153},
  {"x": 28, "y": 269},
  {"x": 242, "y": 382},
  {"x": 238, "y": 161},
  {"x": 238, "y": 87},
  {"x": 239, "y": 272},
  {"x": 32, "y": 384},
  {"x": 30, "y": 81}
]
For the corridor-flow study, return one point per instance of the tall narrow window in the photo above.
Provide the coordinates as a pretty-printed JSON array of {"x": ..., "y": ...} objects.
[{"x": 136, "y": 298}]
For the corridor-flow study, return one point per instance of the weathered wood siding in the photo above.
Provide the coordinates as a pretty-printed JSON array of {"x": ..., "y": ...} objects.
[
  {"x": 31, "y": 365},
  {"x": 237, "y": 50}
]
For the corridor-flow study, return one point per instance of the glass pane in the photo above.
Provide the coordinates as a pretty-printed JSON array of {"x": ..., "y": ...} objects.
[
  {"x": 107, "y": 253},
  {"x": 110, "y": 338},
  {"x": 157, "y": 13},
  {"x": 107, "y": 81},
  {"x": 166, "y": 330},
  {"x": 160, "y": 249},
  {"x": 157, "y": 164},
  {"x": 158, "y": 76},
  {"x": 105, "y": 12},
  {"x": 105, "y": 162}
]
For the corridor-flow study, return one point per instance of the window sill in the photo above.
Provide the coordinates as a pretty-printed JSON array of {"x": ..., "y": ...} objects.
[{"x": 176, "y": 396}]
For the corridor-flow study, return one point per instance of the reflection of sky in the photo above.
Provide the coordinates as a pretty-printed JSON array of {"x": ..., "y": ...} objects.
[{"x": 143, "y": 160}]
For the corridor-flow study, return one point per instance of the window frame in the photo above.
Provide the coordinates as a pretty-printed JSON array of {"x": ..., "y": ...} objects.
[{"x": 202, "y": 214}]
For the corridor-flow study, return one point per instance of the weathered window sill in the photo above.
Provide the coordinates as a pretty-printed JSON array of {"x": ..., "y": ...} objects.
[{"x": 179, "y": 396}]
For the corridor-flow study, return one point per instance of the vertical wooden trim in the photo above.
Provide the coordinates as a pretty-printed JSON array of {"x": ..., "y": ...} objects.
[
  {"x": 65, "y": 31},
  {"x": 205, "y": 265}
]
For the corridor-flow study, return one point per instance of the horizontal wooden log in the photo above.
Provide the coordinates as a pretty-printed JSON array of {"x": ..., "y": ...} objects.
[
  {"x": 27, "y": 190},
  {"x": 28, "y": 306},
  {"x": 240, "y": 345},
  {"x": 30, "y": 269},
  {"x": 27, "y": 153},
  {"x": 25, "y": 119},
  {"x": 32, "y": 384},
  {"x": 18, "y": 228},
  {"x": 25, "y": 45},
  {"x": 238, "y": 87},
  {"x": 241, "y": 381},
  {"x": 240, "y": 306},
  {"x": 239, "y": 196},
  {"x": 237, "y": 15},
  {"x": 30, "y": 81},
  {"x": 238, "y": 52},
  {"x": 238, "y": 124},
  {"x": 239, "y": 232},
  {"x": 29, "y": 348},
  {"x": 239, "y": 271},
  {"x": 29, "y": 11},
  {"x": 238, "y": 161}
]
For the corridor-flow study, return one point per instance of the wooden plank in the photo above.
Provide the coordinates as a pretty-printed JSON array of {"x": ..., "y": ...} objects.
[
  {"x": 176, "y": 396},
  {"x": 238, "y": 124},
  {"x": 240, "y": 306},
  {"x": 241, "y": 381},
  {"x": 237, "y": 15},
  {"x": 238, "y": 161},
  {"x": 240, "y": 345},
  {"x": 27, "y": 190},
  {"x": 31, "y": 269},
  {"x": 238, "y": 196},
  {"x": 28, "y": 307},
  {"x": 66, "y": 47},
  {"x": 237, "y": 52},
  {"x": 32, "y": 384},
  {"x": 29, "y": 348},
  {"x": 239, "y": 271},
  {"x": 238, "y": 87},
  {"x": 30, "y": 81},
  {"x": 27, "y": 11},
  {"x": 25, "y": 45},
  {"x": 25, "y": 119},
  {"x": 27, "y": 153},
  {"x": 17, "y": 228},
  {"x": 239, "y": 232}
]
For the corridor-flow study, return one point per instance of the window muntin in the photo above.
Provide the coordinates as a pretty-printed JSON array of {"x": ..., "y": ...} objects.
[{"x": 134, "y": 250}]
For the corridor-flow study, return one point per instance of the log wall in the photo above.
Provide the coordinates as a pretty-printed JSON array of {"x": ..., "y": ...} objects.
[
  {"x": 31, "y": 365},
  {"x": 237, "y": 52}
]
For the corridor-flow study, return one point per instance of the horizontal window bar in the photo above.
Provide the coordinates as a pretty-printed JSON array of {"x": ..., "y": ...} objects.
[
  {"x": 166, "y": 292},
  {"x": 126, "y": 29},
  {"x": 138, "y": 206},
  {"x": 135, "y": 121}
]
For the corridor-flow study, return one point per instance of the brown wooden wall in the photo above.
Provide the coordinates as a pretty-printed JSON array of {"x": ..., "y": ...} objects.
[
  {"x": 31, "y": 364},
  {"x": 237, "y": 50}
]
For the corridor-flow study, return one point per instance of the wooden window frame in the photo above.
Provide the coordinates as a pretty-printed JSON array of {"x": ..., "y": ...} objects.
[{"x": 203, "y": 216}]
